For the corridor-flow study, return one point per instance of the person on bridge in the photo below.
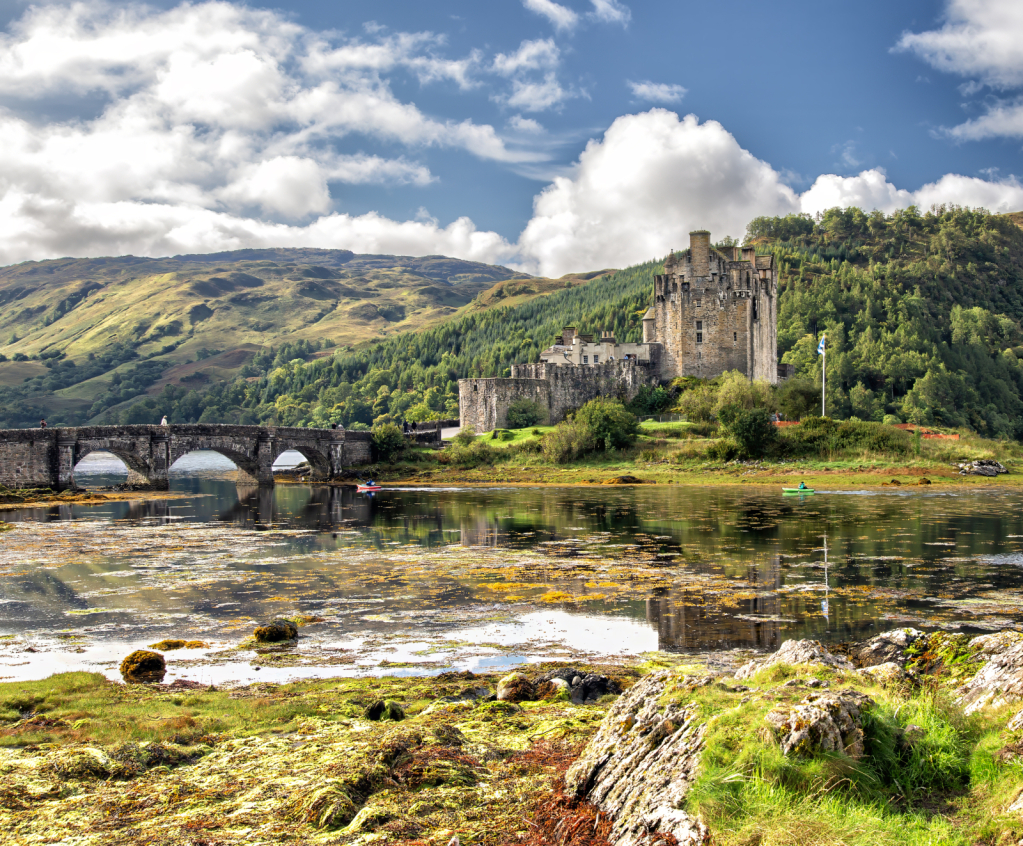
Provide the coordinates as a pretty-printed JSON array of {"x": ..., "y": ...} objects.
[
  {"x": 42, "y": 424},
  {"x": 164, "y": 421}
]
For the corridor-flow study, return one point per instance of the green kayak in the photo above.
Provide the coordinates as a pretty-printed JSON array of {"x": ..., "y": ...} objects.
[{"x": 797, "y": 490}]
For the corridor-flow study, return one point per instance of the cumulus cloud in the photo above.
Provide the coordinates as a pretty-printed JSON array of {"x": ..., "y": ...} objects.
[
  {"x": 643, "y": 187},
  {"x": 524, "y": 124},
  {"x": 652, "y": 178},
  {"x": 657, "y": 92},
  {"x": 611, "y": 11},
  {"x": 980, "y": 38},
  {"x": 561, "y": 17},
  {"x": 542, "y": 54}
]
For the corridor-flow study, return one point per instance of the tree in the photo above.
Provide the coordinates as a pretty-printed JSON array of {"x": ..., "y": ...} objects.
[
  {"x": 608, "y": 423},
  {"x": 798, "y": 397},
  {"x": 524, "y": 412},
  {"x": 389, "y": 442},
  {"x": 751, "y": 429}
]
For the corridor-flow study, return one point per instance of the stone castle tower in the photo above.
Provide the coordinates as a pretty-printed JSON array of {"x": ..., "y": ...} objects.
[{"x": 715, "y": 310}]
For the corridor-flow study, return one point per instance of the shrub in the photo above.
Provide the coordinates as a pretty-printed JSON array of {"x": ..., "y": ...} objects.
[
  {"x": 739, "y": 392},
  {"x": 697, "y": 403},
  {"x": 798, "y": 397},
  {"x": 724, "y": 450},
  {"x": 608, "y": 423},
  {"x": 524, "y": 413},
  {"x": 466, "y": 435},
  {"x": 651, "y": 400},
  {"x": 472, "y": 455},
  {"x": 751, "y": 429},
  {"x": 566, "y": 442},
  {"x": 389, "y": 442}
]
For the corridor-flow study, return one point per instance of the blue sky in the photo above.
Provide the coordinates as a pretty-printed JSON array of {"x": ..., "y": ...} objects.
[{"x": 553, "y": 136}]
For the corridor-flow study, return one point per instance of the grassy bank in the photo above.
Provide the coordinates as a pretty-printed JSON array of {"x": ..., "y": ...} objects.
[
  {"x": 685, "y": 453},
  {"x": 90, "y": 761}
]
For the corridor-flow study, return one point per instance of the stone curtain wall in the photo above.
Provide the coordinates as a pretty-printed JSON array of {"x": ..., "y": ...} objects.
[
  {"x": 483, "y": 403},
  {"x": 559, "y": 388},
  {"x": 47, "y": 457}
]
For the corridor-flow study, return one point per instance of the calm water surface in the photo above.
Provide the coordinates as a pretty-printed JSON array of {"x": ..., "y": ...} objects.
[{"x": 419, "y": 581}]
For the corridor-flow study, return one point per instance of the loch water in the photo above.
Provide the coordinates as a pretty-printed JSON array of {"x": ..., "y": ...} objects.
[{"x": 410, "y": 581}]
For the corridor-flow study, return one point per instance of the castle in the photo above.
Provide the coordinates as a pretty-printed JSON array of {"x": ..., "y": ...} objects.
[{"x": 714, "y": 310}]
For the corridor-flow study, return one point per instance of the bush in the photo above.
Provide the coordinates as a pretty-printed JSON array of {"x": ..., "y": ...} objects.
[
  {"x": 389, "y": 442},
  {"x": 608, "y": 423},
  {"x": 566, "y": 442},
  {"x": 651, "y": 400},
  {"x": 466, "y": 435},
  {"x": 739, "y": 392},
  {"x": 697, "y": 403},
  {"x": 477, "y": 453},
  {"x": 524, "y": 413},
  {"x": 798, "y": 397},
  {"x": 752, "y": 430}
]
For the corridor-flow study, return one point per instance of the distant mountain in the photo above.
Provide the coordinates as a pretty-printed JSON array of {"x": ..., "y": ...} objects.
[{"x": 77, "y": 331}]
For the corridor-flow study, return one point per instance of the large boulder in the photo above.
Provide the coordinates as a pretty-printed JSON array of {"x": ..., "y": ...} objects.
[
  {"x": 143, "y": 667},
  {"x": 795, "y": 652},
  {"x": 885, "y": 648},
  {"x": 276, "y": 631},
  {"x": 981, "y": 467},
  {"x": 1000, "y": 679},
  {"x": 824, "y": 722},
  {"x": 583, "y": 688},
  {"x": 640, "y": 765},
  {"x": 515, "y": 687}
]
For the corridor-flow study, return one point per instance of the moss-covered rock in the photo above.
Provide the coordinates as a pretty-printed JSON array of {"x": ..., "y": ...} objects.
[
  {"x": 143, "y": 667},
  {"x": 176, "y": 643},
  {"x": 384, "y": 709},
  {"x": 276, "y": 631},
  {"x": 515, "y": 687}
]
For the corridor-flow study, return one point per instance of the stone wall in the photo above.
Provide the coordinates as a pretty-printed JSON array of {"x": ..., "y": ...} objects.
[
  {"x": 483, "y": 403},
  {"x": 559, "y": 389},
  {"x": 28, "y": 459}
]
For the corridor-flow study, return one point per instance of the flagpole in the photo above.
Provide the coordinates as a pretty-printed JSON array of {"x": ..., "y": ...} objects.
[{"x": 824, "y": 374}]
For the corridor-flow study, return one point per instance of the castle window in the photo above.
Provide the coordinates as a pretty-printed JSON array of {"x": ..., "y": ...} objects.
[
  {"x": 586, "y": 359},
  {"x": 699, "y": 303},
  {"x": 756, "y": 314},
  {"x": 596, "y": 359},
  {"x": 735, "y": 336},
  {"x": 699, "y": 331}
]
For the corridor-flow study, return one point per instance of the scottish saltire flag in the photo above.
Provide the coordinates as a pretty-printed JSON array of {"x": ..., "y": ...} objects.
[{"x": 820, "y": 346}]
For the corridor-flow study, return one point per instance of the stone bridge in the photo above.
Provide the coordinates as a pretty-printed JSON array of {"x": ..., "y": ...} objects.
[{"x": 47, "y": 457}]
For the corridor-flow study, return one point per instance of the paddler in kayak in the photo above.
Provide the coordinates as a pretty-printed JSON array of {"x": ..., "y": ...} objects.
[{"x": 802, "y": 486}]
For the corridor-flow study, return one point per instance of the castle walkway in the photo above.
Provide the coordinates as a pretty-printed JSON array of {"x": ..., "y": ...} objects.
[{"x": 46, "y": 457}]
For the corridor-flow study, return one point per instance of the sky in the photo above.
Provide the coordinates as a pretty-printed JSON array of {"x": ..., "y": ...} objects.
[{"x": 550, "y": 136}]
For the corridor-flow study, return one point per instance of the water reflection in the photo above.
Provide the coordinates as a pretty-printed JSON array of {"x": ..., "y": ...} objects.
[{"x": 694, "y": 568}]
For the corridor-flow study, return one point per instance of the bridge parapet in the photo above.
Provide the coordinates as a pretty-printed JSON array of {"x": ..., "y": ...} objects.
[{"x": 47, "y": 457}]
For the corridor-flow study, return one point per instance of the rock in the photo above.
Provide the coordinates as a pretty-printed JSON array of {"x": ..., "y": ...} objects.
[
  {"x": 583, "y": 688},
  {"x": 887, "y": 647},
  {"x": 639, "y": 766},
  {"x": 170, "y": 645},
  {"x": 143, "y": 667},
  {"x": 1000, "y": 679},
  {"x": 369, "y": 818},
  {"x": 981, "y": 467},
  {"x": 795, "y": 652},
  {"x": 276, "y": 631},
  {"x": 824, "y": 722},
  {"x": 1016, "y": 723},
  {"x": 384, "y": 710},
  {"x": 622, "y": 480},
  {"x": 553, "y": 689},
  {"x": 515, "y": 687},
  {"x": 887, "y": 673}
]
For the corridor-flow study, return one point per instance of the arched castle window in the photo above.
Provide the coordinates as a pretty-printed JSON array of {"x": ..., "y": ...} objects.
[{"x": 756, "y": 314}]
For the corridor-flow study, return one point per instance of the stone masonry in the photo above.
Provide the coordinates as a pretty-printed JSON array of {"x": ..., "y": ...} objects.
[
  {"x": 47, "y": 457},
  {"x": 713, "y": 310}
]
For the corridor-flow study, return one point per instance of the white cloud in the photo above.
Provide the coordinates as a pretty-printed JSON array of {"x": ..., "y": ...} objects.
[
  {"x": 1002, "y": 119},
  {"x": 869, "y": 190},
  {"x": 658, "y": 92},
  {"x": 524, "y": 124},
  {"x": 561, "y": 17},
  {"x": 542, "y": 54},
  {"x": 980, "y": 38},
  {"x": 538, "y": 95},
  {"x": 643, "y": 187},
  {"x": 611, "y": 11}
]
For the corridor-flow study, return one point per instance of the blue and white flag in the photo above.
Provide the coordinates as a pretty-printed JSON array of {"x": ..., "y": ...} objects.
[{"x": 820, "y": 346}]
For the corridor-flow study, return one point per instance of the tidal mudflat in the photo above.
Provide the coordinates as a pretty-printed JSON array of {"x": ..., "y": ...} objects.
[{"x": 419, "y": 582}]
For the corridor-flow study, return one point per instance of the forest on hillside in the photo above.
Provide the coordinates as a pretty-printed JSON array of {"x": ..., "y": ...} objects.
[{"x": 922, "y": 312}]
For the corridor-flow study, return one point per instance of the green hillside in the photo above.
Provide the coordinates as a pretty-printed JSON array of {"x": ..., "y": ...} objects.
[
  {"x": 922, "y": 311},
  {"x": 75, "y": 330}
]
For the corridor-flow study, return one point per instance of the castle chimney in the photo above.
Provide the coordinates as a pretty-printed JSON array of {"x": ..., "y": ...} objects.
[
  {"x": 567, "y": 335},
  {"x": 699, "y": 249},
  {"x": 749, "y": 254}
]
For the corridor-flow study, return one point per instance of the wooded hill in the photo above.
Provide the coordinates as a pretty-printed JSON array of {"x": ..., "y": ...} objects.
[
  {"x": 81, "y": 336},
  {"x": 922, "y": 311}
]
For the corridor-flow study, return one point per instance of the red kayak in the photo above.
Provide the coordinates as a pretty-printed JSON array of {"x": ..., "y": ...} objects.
[{"x": 368, "y": 488}]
